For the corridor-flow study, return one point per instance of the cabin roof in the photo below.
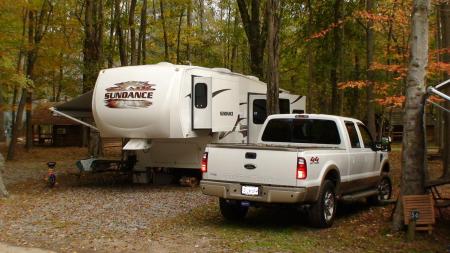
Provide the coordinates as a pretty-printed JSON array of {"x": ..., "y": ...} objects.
[{"x": 43, "y": 116}]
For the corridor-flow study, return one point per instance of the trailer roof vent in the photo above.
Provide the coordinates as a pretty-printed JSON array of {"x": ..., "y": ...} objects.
[
  {"x": 223, "y": 70},
  {"x": 253, "y": 78},
  {"x": 163, "y": 63}
]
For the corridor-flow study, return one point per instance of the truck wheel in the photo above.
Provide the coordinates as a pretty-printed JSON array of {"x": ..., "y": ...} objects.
[
  {"x": 322, "y": 213},
  {"x": 384, "y": 191},
  {"x": 232, "y": 210}
]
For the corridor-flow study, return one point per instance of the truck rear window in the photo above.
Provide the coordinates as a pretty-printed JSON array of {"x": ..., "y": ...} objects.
[{"x": 302, "y": 131}]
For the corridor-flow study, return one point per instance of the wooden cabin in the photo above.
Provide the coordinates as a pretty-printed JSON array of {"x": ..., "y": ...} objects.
[
  {"x": 432, "y": 128},
  {"x": 51, "y": 130}
]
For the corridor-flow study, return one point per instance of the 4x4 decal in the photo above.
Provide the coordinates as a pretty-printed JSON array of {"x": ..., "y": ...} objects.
[{"x": 314, "y": 160}]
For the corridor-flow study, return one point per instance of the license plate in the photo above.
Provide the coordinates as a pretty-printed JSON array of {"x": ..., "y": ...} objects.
[{"x": 250, "y": 190}]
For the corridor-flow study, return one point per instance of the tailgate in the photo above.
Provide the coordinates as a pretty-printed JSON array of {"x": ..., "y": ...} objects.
[{"x": 252, "y": 166}]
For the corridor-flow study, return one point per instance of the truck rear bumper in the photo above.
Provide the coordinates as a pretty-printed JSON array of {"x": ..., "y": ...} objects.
[{"x": 268, "y": 194}]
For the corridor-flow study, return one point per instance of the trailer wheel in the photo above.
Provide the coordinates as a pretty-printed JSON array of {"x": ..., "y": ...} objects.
[
  {"x": 323, "y": 212},
  {"x": 384, "y": 191},
  {"x": 232, "y": 210}
]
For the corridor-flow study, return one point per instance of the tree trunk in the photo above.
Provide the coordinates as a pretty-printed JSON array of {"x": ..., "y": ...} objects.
[
  {"x": 446, "y": 149},
  {"x": 17, "y": 128},
  {"x": 14, "y": 109},
  {"x": 141, "y": 54},
  {"x": 234, "y": 48},
  {"x": 31, "y": 59},
  {"x": 119, "y": 32},
  {"x": 111, "y": 45},
  {"x": 273, "y": 23},
  {"x": 132, "y": 28},
  {"x": 3, "y": 192},
  {"x": 154, "y": 10},
  {"x": 334, "y": 109},
  {"x": 227, "y": 54},
  {"x": 179, "y": 35},
  {"x": 354, "y": 97},
  {"x": 93, "y": 43},
  {"x": 444, "y": 13},
  {"x": 309, "y": 56},
  {"x": 370, "y": 75},
  {"x": 95, "y": 144},
  {"x": 17, "y": 113},
  {"x": 93, "y": 46},
  {"x": 29, "y": 126},
  {"x": 189, "y": 28},
  {"x": 166, "y": 43},
  {"x": 19, "y": 67},
  {"x": 256, "y": 34},
  {"x": 60, "y": 78},
  {"x": 201, "y": 20},
  {"x": 414, "y": 149},
  {"x": 2, "y": 122}
]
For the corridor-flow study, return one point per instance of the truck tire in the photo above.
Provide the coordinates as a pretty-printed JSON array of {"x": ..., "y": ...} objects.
[
  {"x": 384, "y": 188},
  {"x": 323, "y": 212},
  {"x": 232, "y": 210}
]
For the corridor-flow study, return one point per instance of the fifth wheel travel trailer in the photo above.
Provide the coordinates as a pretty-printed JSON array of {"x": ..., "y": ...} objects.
[{"x": 169, "y": 113}]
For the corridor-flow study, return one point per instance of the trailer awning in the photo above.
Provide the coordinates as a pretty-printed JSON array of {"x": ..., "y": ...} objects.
[
  {"x": 78, "y": 109},
  {"x": 435, "y": 91}
]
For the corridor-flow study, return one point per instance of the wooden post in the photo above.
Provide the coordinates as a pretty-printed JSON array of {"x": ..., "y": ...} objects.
[
  {"x": 411, "y": 230},
  {"x": 3, "y": 192}
]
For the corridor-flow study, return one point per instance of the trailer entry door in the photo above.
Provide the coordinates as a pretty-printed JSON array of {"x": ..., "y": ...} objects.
[
  {"x": 225, "y": 104},
  {"x": 201, "y": 103}
]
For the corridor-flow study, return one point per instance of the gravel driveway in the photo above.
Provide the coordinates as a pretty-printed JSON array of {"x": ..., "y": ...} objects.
[{"x": 96, "y": 214}]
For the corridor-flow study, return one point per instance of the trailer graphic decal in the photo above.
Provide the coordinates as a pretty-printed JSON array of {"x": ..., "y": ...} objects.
[{"x": 130, "y": 95}]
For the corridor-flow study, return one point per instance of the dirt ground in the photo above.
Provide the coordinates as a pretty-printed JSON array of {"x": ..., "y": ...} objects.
[{"x": 108, "y": 214}]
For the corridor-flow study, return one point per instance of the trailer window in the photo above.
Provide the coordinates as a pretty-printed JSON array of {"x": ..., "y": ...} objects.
[
  {"x": 201, "y": 95},
  {"x": 260, "y": 110},
  {"x": 302, "y": 131}
]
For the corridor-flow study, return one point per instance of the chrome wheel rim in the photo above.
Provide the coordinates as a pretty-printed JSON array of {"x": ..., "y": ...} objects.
[
  {"x": 384, "y": 190},
  {"x": 328, "y": 206}
]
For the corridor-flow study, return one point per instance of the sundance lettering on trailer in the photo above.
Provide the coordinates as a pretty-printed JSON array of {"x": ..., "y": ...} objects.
[{"x": 130, "y": 95}]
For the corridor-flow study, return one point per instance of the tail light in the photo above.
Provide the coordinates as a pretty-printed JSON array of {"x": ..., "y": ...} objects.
[
  {"x": 204, "y": 167},
  {"x": 302, "y": 170}
]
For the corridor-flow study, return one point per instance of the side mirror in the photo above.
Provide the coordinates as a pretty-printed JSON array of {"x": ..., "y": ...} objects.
[
  {"x": 377, "y": 146},
  {"x": 386, "y": 144},
  {"x": 386, "y": 140}
]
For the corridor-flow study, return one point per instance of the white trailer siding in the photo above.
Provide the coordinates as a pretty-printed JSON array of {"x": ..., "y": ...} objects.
[
  {"x": 155, "y": 106},
  {"x": 148, "y": 120}
]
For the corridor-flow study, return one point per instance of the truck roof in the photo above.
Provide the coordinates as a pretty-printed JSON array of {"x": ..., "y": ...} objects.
[{"x": 314, "y": 116}]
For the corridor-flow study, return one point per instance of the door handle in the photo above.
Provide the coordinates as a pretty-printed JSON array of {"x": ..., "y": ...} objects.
[{"x": 250, "y": 155}]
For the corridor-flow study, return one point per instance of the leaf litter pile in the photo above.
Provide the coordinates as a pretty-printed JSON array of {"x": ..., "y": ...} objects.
[{"x": 106, "y": 213}]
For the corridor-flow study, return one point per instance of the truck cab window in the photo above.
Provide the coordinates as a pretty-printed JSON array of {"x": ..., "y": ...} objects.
[
  {"x": 351, "y": 130},
  {"x": 302, "y": 131},
  {"x": 315, "y": 131},
  {"x": 260, "y": 110},
  {"x": 201, "y": 95},
  {"x": 366, "y": 137},
  {"x": 278, "y": 130}
]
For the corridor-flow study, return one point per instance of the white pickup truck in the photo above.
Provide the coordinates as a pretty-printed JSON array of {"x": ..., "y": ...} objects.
[{"x": 299, "y": 159}]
